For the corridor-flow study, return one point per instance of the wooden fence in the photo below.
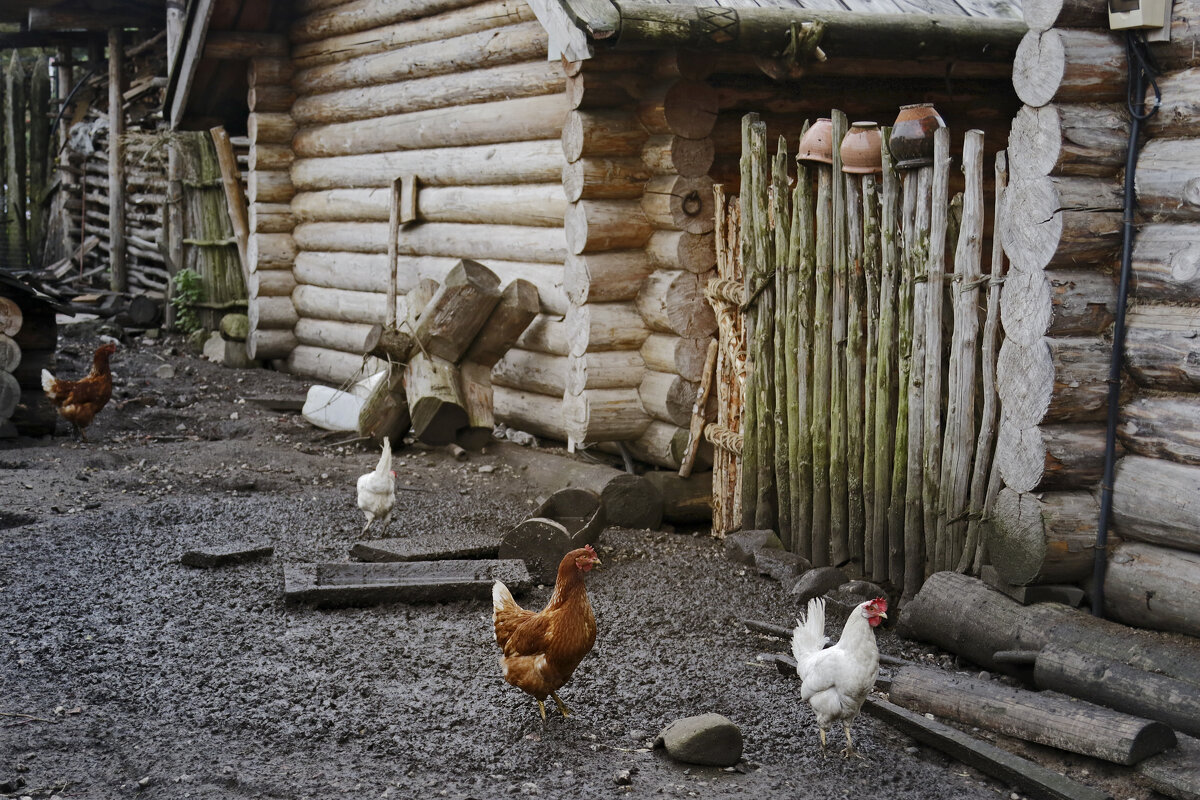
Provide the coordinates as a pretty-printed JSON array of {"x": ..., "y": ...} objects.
[{"x": 868, "y": 400}]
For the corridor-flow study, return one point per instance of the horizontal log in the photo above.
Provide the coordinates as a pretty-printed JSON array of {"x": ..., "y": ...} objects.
[
  {"x": 1047, "y": 718},
  {"x": 607, "y": 369},
  {"x": 1161, "y": 347},
  {"x": 269, "y": 71},
  {"x": 517, "y": 120},
  {"x": 274, "y": 313},
  {"x": 271, "y": 218},
  {"x": 686, "y": 108},
  {"x": 1043, "y": 538},
  {"x": 1062, "y": 222},
  {"x": 601, "y": 133},
  {"x": 320, "y": 19},
  {"x": 537, "y": 204},
  {"x": 1042, "y": 15},
  {"x": 1069, "y": 139},
  {"x": 270, "y": 345},
  {"x": 277, "y": 128},
  {"x": 605, "y": 277},
  {"x": 333, "y": 367},
  {"x": 1050, "y": 456},
  {"x": 604, "y": 415},
  {"x": 271, "y": 283},
  {"x": 546, "y": 334},
  {"x": 1157, "y": 501},
  {"x": 599, "y": 225},
  {"x": 1167, "y": 180},
  {"x": 674, "y": 302},
  {"x": 1069, "y": 302},
  {"x": 332, "y": 334},
  {"x": 676, "y": 155},
  {"x": 10, "y": 354},
  {"x": 479, "y": 242},
  {"x": 266, "y": 99},
  {"x": 341, "y": 305},
  {"x": 694, "y": 252},
  {"x": 270, "y": 157},
  {"x": 531, "y": 372},
  {"x": 269, "y": 187},
  {"x": 1055, "y": 380},
  {"x": 664, "y": 445},
  {"x": 1162, "y": 426},
  {"x": 1155, "y": 587},
  {"x": 604, "y": 326},
  {"x": 444, "y": 25},
  {"x": 528, "y": 79},
  {"x": 677, "y": 203},
  {"x": 613, "y": 178},
  {"x": 515, "y": 162},
  {"x": 1166, "y": 264},
  {"x": 1178, "y": 116},
  {"x": 668, "y": 397},
  {"x": 472, "y": 51},
  {"x": 369, "y": 273},
  {"x": 678, "y": 355},
  {"x": 268, "y": 251},
  {"x": 1069, "y": 66},
  {"x": 589, "y": 91},
  {"x": 1077, "y": 672},
  {"x": 534, "y": 413}
]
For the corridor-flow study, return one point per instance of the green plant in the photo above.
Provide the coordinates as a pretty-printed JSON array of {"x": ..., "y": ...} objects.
[{"x": 188, "y": 291}]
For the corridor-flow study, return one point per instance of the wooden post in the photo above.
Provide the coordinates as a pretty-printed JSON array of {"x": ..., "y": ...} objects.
[
  {"x": 698, "y": 411},
  {"x": 39, "y": 160},
  {"x": 855, "y": 361},
  {"x": 839, "y": 524},
  {"x": 870, "y": 449},
  {"x": 780, "y": 216},
  {"x": 887, "y": 368},
  {"x": 800, "y": 342},
  {"x": 234, "y": 198},
  {"x": 119, "y": 280},
  {"x": 907, "y": 566},
  {"x": 750, "y": 411},
  {"x": 935, "y": 549},
  {"x": 822, "y": 348},
  {"x": 14, "y": 162},
  {"x": 393, "y": 250}
]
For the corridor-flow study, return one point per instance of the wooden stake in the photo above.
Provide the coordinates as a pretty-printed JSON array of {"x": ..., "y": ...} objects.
[
  {"x": 750, "y": 409},
  {"x": 698, "y": 415},
  {"x": 839, "y": 545},
  {"x": 855, "y": 362},
  {"x": 234, "y": 198},
  {"x": 118, "y": 280},
  {"x": 822, "y": 349},
  {"x": 800, "y": 342},
  {"x": 781, "y": 219},
  {"x": 890, "y": 426},
  {"x": 935, "y": 549},
  {"x": 907, "y": 563}
]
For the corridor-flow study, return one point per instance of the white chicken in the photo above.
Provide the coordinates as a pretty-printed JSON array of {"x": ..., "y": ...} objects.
[
  {"x": 837, "y": 679},
  {"x": 377, "y": 490}
]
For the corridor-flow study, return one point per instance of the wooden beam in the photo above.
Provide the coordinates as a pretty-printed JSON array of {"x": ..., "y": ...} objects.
[
  {"x": 183, "y": 71},
  {"x": 83, "y": 19},
  {"x": 244, "y": 45},
  {"x": 116, "y": 161},
  {"x": 234, "y": 198}
]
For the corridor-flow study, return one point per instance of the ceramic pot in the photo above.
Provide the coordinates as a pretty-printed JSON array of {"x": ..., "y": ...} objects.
[
  {"x": 817, "y": 143},
  {"x": 862, "y": 149},
  {"x": 911, "y": 143}
]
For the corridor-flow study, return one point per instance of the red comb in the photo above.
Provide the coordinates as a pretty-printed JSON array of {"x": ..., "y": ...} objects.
[
  {"x": 879, "y": 603},
  {"x": 589, "y": 548}
]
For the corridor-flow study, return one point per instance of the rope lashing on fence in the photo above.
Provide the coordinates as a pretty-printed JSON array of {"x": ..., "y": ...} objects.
[{"x": 722, "y": 437}]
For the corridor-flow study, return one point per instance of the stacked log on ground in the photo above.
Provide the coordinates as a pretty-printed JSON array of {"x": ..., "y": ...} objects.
[{"x": 28, "y": 341}]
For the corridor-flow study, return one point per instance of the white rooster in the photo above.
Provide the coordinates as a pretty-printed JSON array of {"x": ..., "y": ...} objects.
[
  {"x": 377, "y": 489},
  {"x": 837, "y": 679}
]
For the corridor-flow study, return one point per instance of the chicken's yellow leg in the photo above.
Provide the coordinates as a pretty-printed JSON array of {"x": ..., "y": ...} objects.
[
  {"x": 542, "y": 708},
  {"x": 566, "y": 712},
  {"x": 849, "y": 751},
  {"x": 823, "y": 742}
]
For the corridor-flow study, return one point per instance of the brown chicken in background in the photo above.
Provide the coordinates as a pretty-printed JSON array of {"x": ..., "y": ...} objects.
[
  {"x": 78, "y": 402},
  {"x": 543, "y": 648}
]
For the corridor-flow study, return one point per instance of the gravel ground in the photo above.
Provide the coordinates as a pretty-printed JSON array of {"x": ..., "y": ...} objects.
[{"x": 124, "y": 674}]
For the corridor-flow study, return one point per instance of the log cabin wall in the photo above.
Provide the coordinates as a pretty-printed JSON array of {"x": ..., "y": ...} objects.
[
  {"x": 460, "y": 95},
  {"x": 270, "y": 249},
  {"x": 1067, "y": 149}
]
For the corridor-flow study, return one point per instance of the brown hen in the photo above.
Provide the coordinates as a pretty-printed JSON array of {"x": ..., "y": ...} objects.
[
  {"x": 543, "y": 648},
  {"x": 78, "y": 402}
]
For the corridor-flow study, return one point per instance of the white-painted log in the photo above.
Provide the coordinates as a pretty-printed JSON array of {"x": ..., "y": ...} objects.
[
  {"x": 674, "y": 302},
  {"x": 1068, "y": 139},
  {"x": 600, "y": 225},
  {"x": 668, "y": 397},
  {"x": 678, "y": 355},
  {"x": 478, "y": 242},
  {"x": 604, "y": 415},
  {"x": 331, "y": 366},
  {"x": 605, "y": 277},
  {"x": 1069, "y": 302},
  {"x": 531, "y": 372},
  {"x": 608, "y": 369},
  {"x": 1042, "y": 457},
  {"x": 540, "y": 205},
  {"x": 338, "y": 304},
  {"x": 275, "y": 313},
  {"x": 534, "y": 413},
  {"x": 604, "y": 326},
  {"x": 1069, "y": 66},
  {"x": 694, "y": 252},
  {"x": 546, "y": 334},
  {"x": 1055, "y": 380},
  {"x": 331, "y": 334}
]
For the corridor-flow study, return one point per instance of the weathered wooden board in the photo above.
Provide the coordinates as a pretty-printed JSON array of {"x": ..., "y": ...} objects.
[
  {"x": 337, "y": 585},
  {"x": 226, "y": 554},
  {"x": 1175, "y": 773},
  {"x": 447, "y": 546}
]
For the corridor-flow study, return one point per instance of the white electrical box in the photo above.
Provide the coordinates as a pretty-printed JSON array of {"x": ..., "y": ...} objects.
[{"x": 1125, "y": 14}]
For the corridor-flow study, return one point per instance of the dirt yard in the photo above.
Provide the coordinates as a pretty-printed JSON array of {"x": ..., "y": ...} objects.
[{"x": 124, "y": 674}]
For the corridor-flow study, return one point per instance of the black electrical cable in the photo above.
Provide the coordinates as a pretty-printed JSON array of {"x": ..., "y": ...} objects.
[{"x": 1141, "y": 72}]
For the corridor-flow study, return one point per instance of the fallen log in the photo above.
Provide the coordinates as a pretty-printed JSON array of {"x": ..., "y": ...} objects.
[
  {"x": 338, "y": 585},
  {"x": 434, "y": 399},
  {"x": 1153, "y": 587},
  {"x": 456, "y": 313},
  {"x": 1119, "y": 686},
  {"x": 1044, "y": 717},
  {"x": 684, "y": 500},
  {"x": 632, "y": 501}
]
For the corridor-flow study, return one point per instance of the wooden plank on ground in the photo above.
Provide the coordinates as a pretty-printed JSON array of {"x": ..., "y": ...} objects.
[
  {"x": 446, "y": 546},
  {"x": 1175, "y": 773},
  {"x": 226, "y": 554},
  {"x": 337, "y": 585}
]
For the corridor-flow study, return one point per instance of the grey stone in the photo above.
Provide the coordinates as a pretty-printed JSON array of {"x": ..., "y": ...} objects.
[
  {"x": 164, "y": 371},
  {"x": 742, "y": 546},
  {"x": 817, "y": 582},
  {"x": 780, "y": 564},
  {"x": 855, "y": 592},
  {"x": 623, "y": 778},
  {"x": 706, "y": 739}
]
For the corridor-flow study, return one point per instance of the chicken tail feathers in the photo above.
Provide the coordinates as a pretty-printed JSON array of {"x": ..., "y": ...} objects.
[
  {"x": 385, "y": 458},
  {"x": 501, "y": 597},
  {"x": 48, "y": 382},
  {"x": 809, "y": 636}
]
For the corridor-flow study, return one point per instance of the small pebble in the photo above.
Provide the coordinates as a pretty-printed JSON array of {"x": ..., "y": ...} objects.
[
  {"x": 486, "y": 468},
  {"x": 623, "y": 778},
  {"x": 234, "y": 415}
]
